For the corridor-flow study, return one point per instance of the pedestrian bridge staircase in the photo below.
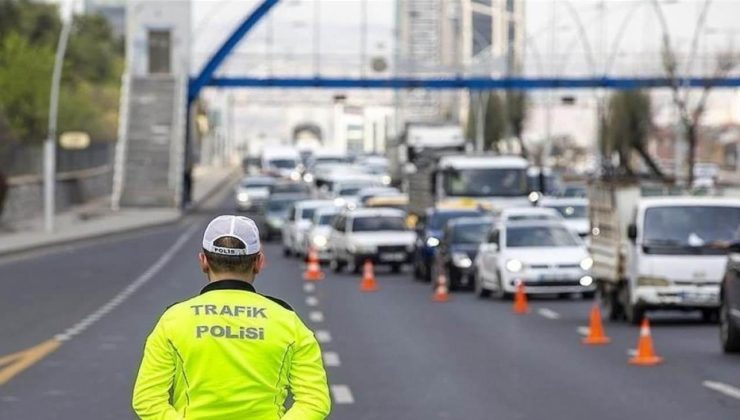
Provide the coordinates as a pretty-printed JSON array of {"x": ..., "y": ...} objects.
[{"x": 150, "y": 151}]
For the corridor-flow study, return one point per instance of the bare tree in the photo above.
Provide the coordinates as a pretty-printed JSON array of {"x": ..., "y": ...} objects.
[
  {"x": 690, "y": 112},
  {"x": 516, "y": 112}
]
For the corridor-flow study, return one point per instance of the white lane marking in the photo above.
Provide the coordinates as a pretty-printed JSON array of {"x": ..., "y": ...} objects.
[
  {"x": 548, "y": 313},
  {"x": 128, "y": 290},
  {"x": 331, "y": 359},
  {"x": 631, "y": 352},
  {"x": 342, "y": 394},
  {"x": 309, "y": 287},
  {"x": 323, "y": 336},
  {"x": 312, "y": 301},
  {"x": 583, "y": 330},
  {"x": 725, "y": 389},
  {"x": 316, "y": 316}
]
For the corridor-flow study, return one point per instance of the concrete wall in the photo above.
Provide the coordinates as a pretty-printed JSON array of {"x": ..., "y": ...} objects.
[{"x": 25, "y": 196}]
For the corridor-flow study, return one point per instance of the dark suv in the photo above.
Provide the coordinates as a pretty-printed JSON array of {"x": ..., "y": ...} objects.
[
  {"x": 458, "y": 248},
  {"x": 729, "y": 314}
]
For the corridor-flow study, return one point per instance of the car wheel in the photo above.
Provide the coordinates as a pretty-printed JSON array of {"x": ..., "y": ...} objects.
[
  {"x": 335, "y": 264},
  {"x": 480, "y": 291},
  {"x": 417, "y": 271},
  {"x": 286, "y": 252},
  {"x": 352, "y": 266},
  {"x": 610, "y": 304},
  {"x": 588, "y": 295},
  {"x": 453, "y": 277},
  {"x": 395, "y": 268},
  {"x": 501, "y": 293},
  {"x": 729, "y": 330}
]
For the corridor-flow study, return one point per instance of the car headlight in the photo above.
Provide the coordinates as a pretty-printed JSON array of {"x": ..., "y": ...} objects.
[
  {"x": 319, "y": 240},
  {"x": 461, "y": 260},
  {"x": 432, "y": 242},
  {"x": 587, "y": 263},
  {"x": 308, "y": 178},
  {"x": 514, "y": 266},
  {"x": 295, "y": 176},
  {"x": 386, "y": 180},
  {"x": 586, "y": 281},
  {"x": 652, "y": 281},
  {"x": 275, "y": 222},
  {"x": 339, "y": 202},
  {"x": 242, "y": 197}
]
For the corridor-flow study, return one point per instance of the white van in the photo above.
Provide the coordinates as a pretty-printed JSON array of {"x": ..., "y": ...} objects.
[{"x": 281, "y": 161}]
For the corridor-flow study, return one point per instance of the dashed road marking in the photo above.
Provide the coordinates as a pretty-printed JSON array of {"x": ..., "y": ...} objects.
[
  {"x": 16, "y": 363},
  {"x": 725, "y": 389},
  {"x": 342, "y": 394},
  {"x": 316, "y": 316},
  {"x": 548, "y": 313},
  {"x": 331, "y": 359},
  {"x": 312, "y": 301},
  {"x": 323, "y": 336},
  {"x": 583, "y": 330},
  {"x": 631, "y": 352},
  {"x": 309, "y": 287}
]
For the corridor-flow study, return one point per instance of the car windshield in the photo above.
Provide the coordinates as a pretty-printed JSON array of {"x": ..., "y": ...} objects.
[
  {"x": 578, "y": 191},
  {"x": 378, "y": 223},
  {"x": 572, "y": 212},
  {"x": 279, "y": 205},
  {"x": 282, "y": 163},
  {"x": 486, "y": 182},
  {"x": 539, "y": 236},
  {"x": 349, "y": 191},
  {"x": 307, "y": 213},
  {"x": 680, "y": 230},
  {"x": 470, "y": 233},
  {"x": 289, "y": 188},
  {"x": 325, "y": 219},
  {"x": 256, "y": 183},
  {"x": 438, "y": 220}
]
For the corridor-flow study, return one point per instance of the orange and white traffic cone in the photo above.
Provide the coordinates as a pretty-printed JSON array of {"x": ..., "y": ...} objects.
[
  {"x": 645, "y": 352},
  {"x": 368, "y": 282},
  {"x": 596, "y": 333},
  {"x": 520, "y": 299},
  {"x": 441, "y": 291},
  {"x": 313, "y": 269}
]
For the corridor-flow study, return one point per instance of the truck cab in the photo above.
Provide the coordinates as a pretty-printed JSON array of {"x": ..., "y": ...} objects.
[
  {"x": 660, "y": 253},
  {"x": 495, "y": 181}
]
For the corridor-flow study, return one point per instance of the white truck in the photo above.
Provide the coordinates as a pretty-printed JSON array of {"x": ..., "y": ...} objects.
[{"x": 658, "y": 253}]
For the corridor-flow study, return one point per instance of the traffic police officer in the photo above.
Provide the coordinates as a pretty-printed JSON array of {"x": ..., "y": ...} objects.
[{"x": 230, "y": 352}]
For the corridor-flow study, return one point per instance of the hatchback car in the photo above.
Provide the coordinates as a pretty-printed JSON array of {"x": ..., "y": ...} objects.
[
  {"x": 298, "y": 223},
  {"x": 458, "y": 248},
  {"x": 276, "y": 212},
  {"x": 252, "y": 192},
  {"x": 545, "y": 256}
]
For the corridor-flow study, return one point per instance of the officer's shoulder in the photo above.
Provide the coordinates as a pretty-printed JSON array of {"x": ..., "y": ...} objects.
[
  {"x": 176, "y": 305},
  {"x": 280, "y": 302}
]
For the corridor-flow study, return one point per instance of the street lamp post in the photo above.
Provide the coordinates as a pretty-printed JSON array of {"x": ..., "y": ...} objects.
[{"x": 51, "y": 138}]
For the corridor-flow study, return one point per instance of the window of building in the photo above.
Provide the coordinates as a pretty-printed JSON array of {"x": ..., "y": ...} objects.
[
  {"x": 482, "y": 32},
  {"x": 510, "y": 6}
]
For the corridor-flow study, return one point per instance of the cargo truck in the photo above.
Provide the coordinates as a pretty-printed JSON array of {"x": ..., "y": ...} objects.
[{"x": 658, "y": 252}]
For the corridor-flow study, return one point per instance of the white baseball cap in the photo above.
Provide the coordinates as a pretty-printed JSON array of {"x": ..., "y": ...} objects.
[{"x": 242, "y": 228}]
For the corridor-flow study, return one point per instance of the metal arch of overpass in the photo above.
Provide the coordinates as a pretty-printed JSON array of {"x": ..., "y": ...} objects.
[{"x": 206, "y": 77}]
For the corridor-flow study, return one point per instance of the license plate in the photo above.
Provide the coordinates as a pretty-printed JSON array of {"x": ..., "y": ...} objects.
[
  {"x": 552, "y": 277},
  {"x": 398, "y": 256},
  {"x": 697, "y": 297}
]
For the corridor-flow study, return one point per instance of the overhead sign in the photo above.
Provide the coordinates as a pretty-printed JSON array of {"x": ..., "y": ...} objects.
[{"x": 74, "y": 140}]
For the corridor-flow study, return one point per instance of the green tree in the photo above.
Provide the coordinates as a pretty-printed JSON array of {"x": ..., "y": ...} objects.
[
  {"x": 495, "y": 123},
  {"x": 516, "y": 112},
  {"x": 25, "y": 74},
  {"x": 627, "y": 129}
]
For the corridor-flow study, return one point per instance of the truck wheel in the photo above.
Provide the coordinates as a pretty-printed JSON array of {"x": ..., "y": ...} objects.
[
  {"x": 634, "y": 314},
  {"x": 336, "y": 265},
  {"x": 729, "y": 330},
  {"x": 710, "y": 316},
  {"x": 396, "y": 268}
]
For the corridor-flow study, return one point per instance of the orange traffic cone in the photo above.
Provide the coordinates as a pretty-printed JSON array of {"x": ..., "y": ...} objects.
[
  {"x": 441, "y": 292},
  {"x": 368, "y": 282},
  {"x": 313, "y": 269},
  {"x": 645, "y": 353},
  {"x": 596, "y": 334},
  {"x": 520, "y": 299}
]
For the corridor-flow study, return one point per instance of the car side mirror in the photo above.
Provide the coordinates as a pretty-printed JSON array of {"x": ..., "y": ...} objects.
[{"x": 632, "y": 232}]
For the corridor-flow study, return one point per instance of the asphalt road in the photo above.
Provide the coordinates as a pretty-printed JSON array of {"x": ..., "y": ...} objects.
[{"x": 393, "y": 354}]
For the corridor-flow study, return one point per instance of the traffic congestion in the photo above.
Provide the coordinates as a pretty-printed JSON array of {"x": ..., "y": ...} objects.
[{"x": 493, "y": 226}]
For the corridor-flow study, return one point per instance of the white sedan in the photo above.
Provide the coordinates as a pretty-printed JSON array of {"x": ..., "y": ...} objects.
[{"x": 545, "y": 255}]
